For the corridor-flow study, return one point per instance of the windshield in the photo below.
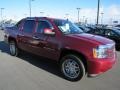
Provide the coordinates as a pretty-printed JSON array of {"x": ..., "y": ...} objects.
[{"x": 67, "y": 27}]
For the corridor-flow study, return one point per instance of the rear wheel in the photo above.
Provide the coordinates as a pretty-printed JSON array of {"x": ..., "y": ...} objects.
[
  {"x": 72, "y": 67},
  {"x": 13, "y": 48}
]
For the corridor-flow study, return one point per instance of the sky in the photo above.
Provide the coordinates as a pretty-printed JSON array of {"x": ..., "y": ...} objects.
[{"x": 18, "y": 9}]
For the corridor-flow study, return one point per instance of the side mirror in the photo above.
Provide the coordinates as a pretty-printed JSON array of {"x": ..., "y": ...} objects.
[{"x": 49, "y": 32}]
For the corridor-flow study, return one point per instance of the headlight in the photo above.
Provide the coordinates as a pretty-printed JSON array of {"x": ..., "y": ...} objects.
[{"x": 104, "y": 51}]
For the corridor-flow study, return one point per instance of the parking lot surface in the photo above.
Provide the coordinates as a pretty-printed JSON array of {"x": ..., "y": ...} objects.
[{"x": 29, "y": 72}]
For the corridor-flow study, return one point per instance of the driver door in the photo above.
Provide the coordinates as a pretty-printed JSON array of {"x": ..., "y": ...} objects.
[{"x": 46, "y": 45}]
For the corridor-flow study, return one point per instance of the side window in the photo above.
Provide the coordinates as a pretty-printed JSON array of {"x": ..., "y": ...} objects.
[
  {"x": 19, "y": 24},
  {"x": 92, "y": 31},
  {"x": 28, "y": 26},
  {"x": 113, "y": 33},
  {"x": 99, "y": 31},
  {"x": 108, "y": 32},
  {"x": 42, "y": 25}
]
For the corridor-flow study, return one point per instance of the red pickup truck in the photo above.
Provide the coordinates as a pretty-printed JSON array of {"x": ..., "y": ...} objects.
[{"x": 76, "y": 52}]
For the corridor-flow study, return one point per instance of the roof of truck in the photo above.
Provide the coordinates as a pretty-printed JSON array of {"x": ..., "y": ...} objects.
[{"x": 50, "y": 18}]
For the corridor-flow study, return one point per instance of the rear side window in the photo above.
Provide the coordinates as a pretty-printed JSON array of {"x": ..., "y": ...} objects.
[
  {"x": 110, "y": 33},
  {"x": 29, "y": 26},
  {"x": 42, "y": 25},
  {"x": 19, "y": 23},
  {"x": 99, "y": 31}
]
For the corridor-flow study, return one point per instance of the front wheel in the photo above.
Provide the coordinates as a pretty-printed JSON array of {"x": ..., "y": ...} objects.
[
  {"x": 13, "y": 48},
  {"x": 72, "y": 67}
]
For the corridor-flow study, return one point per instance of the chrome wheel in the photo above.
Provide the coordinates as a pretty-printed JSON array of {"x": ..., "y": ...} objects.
[{"x": 71, "y": 68}]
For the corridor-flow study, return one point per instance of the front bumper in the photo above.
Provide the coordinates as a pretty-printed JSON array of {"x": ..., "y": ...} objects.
[{"x": 97, "y": 67}]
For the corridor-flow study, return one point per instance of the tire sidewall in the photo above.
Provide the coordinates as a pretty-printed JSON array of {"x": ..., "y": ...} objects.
[
  {"x": 79, "y": 62},
  {"x": 16, "y": 49}
]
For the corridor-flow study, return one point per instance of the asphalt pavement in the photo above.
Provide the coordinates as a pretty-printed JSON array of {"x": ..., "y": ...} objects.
[{"x": 29, "y": 72}]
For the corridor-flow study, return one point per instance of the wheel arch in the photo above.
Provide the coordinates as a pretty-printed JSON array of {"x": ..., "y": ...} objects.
[
  {"x": 65, "y": 52},
  {"x": 12, "y": 39}
]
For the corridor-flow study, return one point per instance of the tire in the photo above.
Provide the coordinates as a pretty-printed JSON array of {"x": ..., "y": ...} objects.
[
  {"x": 13, "y": 48},
  {"x": 72, "y": 67}
]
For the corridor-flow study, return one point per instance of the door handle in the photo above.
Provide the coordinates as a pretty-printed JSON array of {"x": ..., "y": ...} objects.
[
  {"x": 35, "y": 37},
  {"x": 21, "y": 35}
]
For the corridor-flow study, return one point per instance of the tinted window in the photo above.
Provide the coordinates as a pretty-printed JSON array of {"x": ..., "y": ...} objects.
[
  {"x": 99, "y": 31},
  {"x": 110, "y": 33},
  {"x": 29, "y": 26},
  {"x": 42, "y": 25},
  {"x": 113, "y": 33},
  {"x": 19, "y": 23},
  {"x": 117, "y": 31},
  {"x": 92, "y": 31}
]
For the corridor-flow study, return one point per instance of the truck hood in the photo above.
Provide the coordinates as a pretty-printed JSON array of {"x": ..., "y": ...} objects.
[{"x": 91, "y": 38}]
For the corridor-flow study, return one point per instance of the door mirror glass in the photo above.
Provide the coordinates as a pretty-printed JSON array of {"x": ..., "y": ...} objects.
[{"x": 49, "y": 32}]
